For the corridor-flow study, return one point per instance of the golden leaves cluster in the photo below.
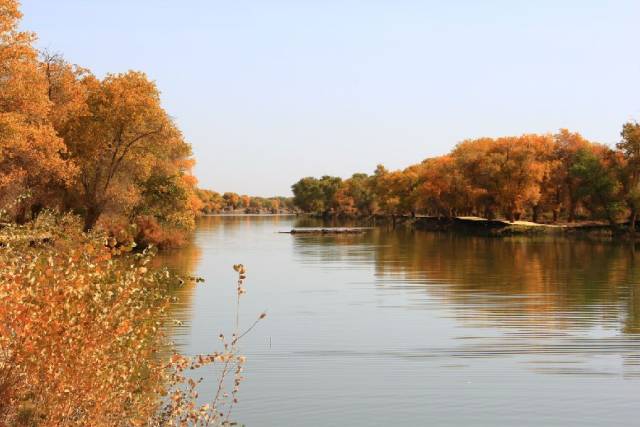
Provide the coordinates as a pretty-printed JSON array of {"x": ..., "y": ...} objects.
[
  {"x": 80, "y": 331},
  {"x": 81, "y": 335}
]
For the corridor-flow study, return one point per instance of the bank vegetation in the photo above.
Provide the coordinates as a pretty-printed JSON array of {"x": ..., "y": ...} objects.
[{"x": 548, "y": 178}]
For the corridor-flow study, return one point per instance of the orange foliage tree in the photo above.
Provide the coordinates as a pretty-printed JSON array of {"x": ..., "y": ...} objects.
[
  {"x": 528, "y": 176},
  {"x": 31, "y": 154},
  {"x": 120, "y": 142},
  {"x": 71, "y": 141}
]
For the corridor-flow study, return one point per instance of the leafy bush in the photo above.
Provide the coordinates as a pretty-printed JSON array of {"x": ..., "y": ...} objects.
[{"x": 81, "y": 338}]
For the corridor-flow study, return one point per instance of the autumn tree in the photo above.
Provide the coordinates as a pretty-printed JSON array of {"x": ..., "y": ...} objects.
[
  {"x": 471, "y": 160},
  {"x": 232, "y": 200},
  {"x": 509, "y": 170},
  {"x": 274, "y": 205},
  {"x": 67, "y": 94},
  {"x": 31, "y": 154},
  {"x": 345, "y": 202},
  {"x": 212, "y": 202},
  {"x": 442, "y": 189},
  {"x": 394, "y": 191},
  {"x": 562, "y": 192},
  {"x": 245, "y": 201},
  {"x": 119, "y": 141},
  {"x": 387, "y": 200},
  {"x": 524, "y": 168},
  {"x": 355, "y": 196},
  {"x": 256, "y": 204}
]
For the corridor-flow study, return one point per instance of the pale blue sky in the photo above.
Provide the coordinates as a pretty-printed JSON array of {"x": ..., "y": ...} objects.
[{"x": 270, "y": 91}]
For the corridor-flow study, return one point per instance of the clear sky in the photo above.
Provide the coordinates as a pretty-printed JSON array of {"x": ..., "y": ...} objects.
[{"x": 270, "y": 91}]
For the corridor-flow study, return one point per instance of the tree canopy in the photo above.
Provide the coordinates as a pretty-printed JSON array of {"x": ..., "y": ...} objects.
[
  {"x": 105, "y": 148},
  {"x": 548, "y": 177}
]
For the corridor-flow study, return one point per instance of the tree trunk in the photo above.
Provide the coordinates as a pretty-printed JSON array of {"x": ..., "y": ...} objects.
[
  {"x": 572, "y": 210},
  {"x": 558, "y": 205},
  {"x": 21, "y": 213},
  {"x": 632, "y": 222},
  {"x": 488, "y": 214},
  {"x": 611, "y": 219},
  {"x": 36, "y": 210},
  {"x": 536, "y": 213},
  {"x": 91, "y": 217}
]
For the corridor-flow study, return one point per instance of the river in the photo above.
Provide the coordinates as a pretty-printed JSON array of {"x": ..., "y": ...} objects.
[{"x": 417, "y": 328}]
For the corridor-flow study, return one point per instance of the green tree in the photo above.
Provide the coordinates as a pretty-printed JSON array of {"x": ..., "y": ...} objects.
[
  {"x": 308, "y": 195},
  {"x": 630, "y": 147},
  {"x": 355, "y": 195},
  {"x": 597, "y": 185},
  {"x": 330, "y": 186}
]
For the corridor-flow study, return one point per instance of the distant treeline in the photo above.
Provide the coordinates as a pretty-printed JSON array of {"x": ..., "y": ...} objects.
[
  {"x": 544, "y": 178},
  {"x": 213, "y": 202}
]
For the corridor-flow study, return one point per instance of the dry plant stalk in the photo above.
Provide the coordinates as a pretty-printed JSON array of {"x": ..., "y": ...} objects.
[{"x": 182, "y": 408}]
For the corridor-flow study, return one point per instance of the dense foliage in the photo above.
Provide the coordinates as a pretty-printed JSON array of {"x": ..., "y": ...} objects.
[
  {"x": 81, "y": 335},
  {"x": 102, "y": 148},
  {"x": 538, "y": 177},
  {"x": 69, "y": 300}
]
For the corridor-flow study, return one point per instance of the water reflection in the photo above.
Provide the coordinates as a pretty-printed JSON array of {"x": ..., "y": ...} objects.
[
  {"x": 548, "y": 282},
  {"x": 440, "y": 327},
  {"x": 183, "y": 261}
]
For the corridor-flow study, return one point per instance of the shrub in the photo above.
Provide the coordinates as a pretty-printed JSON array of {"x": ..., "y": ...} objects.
[
  {"x": 151, "y": 233},
  {"x": 145, "y": 232},
  {"x": 81, "y": 335}
]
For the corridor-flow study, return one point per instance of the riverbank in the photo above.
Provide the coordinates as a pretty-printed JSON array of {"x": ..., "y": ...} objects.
[
  {"x": 490, "y": 227},
  {"x": 483, "y": 226},
  {"x": 243, "y": 213},
  {"x": 503, "y": 228}
]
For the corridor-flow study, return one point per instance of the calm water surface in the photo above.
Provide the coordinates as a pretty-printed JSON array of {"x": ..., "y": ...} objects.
[{"x": 417, "y": 328}]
